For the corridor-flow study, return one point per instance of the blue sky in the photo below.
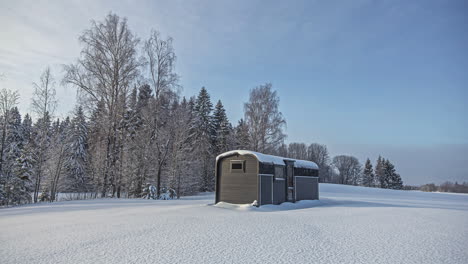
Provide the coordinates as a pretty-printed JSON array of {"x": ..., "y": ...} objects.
[{"x": 363, "y": 77}]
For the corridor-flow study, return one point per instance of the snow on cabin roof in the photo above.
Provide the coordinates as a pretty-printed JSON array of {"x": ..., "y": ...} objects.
[{"x": 264, "y": 158}]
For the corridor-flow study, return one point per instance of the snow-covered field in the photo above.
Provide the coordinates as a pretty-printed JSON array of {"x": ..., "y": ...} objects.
[{"x": 348, "y": 225}]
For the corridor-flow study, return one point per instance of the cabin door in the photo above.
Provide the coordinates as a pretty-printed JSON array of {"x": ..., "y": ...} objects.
[{"x": 290, "y": 184}]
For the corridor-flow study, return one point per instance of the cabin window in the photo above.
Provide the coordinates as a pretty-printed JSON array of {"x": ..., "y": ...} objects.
[{"x": 237, "y": 166}]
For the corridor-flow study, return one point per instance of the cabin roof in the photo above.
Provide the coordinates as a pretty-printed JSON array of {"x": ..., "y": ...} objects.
[{"x": 264, "y": 158}]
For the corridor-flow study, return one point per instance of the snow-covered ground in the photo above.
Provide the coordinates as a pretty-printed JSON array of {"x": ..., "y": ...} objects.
[{"x": 348, "y": 225}]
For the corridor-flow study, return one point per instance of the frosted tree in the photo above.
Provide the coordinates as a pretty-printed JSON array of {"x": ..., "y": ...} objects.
[
  {"x": 282, "y": 150},
  {"x": 160, "y": 61},
  {"x": 57, "y": 156},
  {"x": 27, "y": 129},
  {"x": 349, "y": 169},
  {"x": 43, "y": 104},
  {"x": 14, "y": 140},
  {"x": 8, "y": 100},
  {"x": 392, "y": 178},
  {"x": 318, "y": 153},
  {"x": 222, "y": 129},
  {"x": 97, "y": 145},
  {"x": 77, "y": 154},
  {"x": 13, "y": 187},
  {"x": 380, "y": 180},
  {"x": 105, "y": 72},
  {"x": 242, "y": 139},
  {"x": 368, "y": 174},
  {"x": 204, "y": 135},
  {"x": 23, "y": 173},
  {"x": 160, "y": 57},
  {"x": 297, "y": 151},
  {"x": 182, "y": 154},
  {"x": 141, "y": 125},
  {"x": 265, "y": 121}
]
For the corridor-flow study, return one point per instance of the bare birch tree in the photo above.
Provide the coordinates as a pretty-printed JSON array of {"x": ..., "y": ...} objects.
[
  {"x": 265, "y": 121},
  {"x": 297, "y": 151},
  {"x": 318, "y": 153},
  {"x": 43, "y": 104},
  {"x": 105, "y": 71},
  {"x": 349, "y": 168},
  {"x": 160, "y": 58}
]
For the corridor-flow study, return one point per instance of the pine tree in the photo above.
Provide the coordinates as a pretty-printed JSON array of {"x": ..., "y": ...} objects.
[
  {"x": 222, "y": 129},
  {"x": 368, "y": 174}
]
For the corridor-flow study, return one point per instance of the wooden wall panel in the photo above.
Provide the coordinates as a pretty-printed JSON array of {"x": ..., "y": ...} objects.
[{"x": 235, "y": 187}]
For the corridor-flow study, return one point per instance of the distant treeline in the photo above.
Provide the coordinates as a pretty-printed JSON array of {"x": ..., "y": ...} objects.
[{"x": 446, "y": 187}]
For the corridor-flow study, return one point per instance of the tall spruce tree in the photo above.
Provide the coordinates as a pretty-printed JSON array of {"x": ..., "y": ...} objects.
[
  {"x": 392, "y": 178},
  {"x": 77, "y": 154},
  {"x": 27, "y": 128},
  {"x": 23, "y": 172},
  {"x": 379, "y": 173},
  {"x": 242, "y": 138},
  {"x": 368, "y": 174},
  {"x": 41, "y": 140},
  {"x": 203, "y": 125},
  {"x": 14, "y": 188},
  {"x": 222, "y": 129}
]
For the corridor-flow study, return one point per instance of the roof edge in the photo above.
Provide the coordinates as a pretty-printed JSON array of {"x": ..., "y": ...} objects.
[{"x": 265, "y": 158}]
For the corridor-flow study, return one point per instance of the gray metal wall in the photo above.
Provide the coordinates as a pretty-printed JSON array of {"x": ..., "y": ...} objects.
[
  {"x": 279, "y": 191},
  {"x": 265, "y": 189},
  {"x": 306, "y": 188}
]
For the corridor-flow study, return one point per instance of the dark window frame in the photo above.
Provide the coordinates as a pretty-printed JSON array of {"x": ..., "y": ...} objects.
[{"x": 237, "y": 162}]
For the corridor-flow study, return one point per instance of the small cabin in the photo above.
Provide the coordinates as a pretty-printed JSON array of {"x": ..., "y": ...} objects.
[{"x": 244, "y": 176}]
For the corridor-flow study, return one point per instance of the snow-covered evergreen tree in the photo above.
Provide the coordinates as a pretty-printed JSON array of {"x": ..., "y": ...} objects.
[
  {"x": 222, "y": 129},
  {"x": 204, "y": 135},
  {"x": 368, "y": 174},
  {"x": 242, "y": 138},
  {"x": 40, "y": 145},
  {"x": 392, "y": 178},
  {"x": 77, "y": 154},
  {"x": 379, "y": 173},
  {"x": 21, "y": 184},
  {"x": 14, "y": 188},
  {"x": 27, "y": 128}
]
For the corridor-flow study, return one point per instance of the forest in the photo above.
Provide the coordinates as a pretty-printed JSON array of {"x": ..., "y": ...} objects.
[{"x": 133, "y": 135}]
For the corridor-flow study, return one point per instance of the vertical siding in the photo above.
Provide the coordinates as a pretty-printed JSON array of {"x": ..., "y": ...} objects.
[
  {"x": 265, "y": 189},
  {"x": 235, "y": 187},
  {"x": 306, "y": 188},
  {"x": 279, "y": 191}
]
